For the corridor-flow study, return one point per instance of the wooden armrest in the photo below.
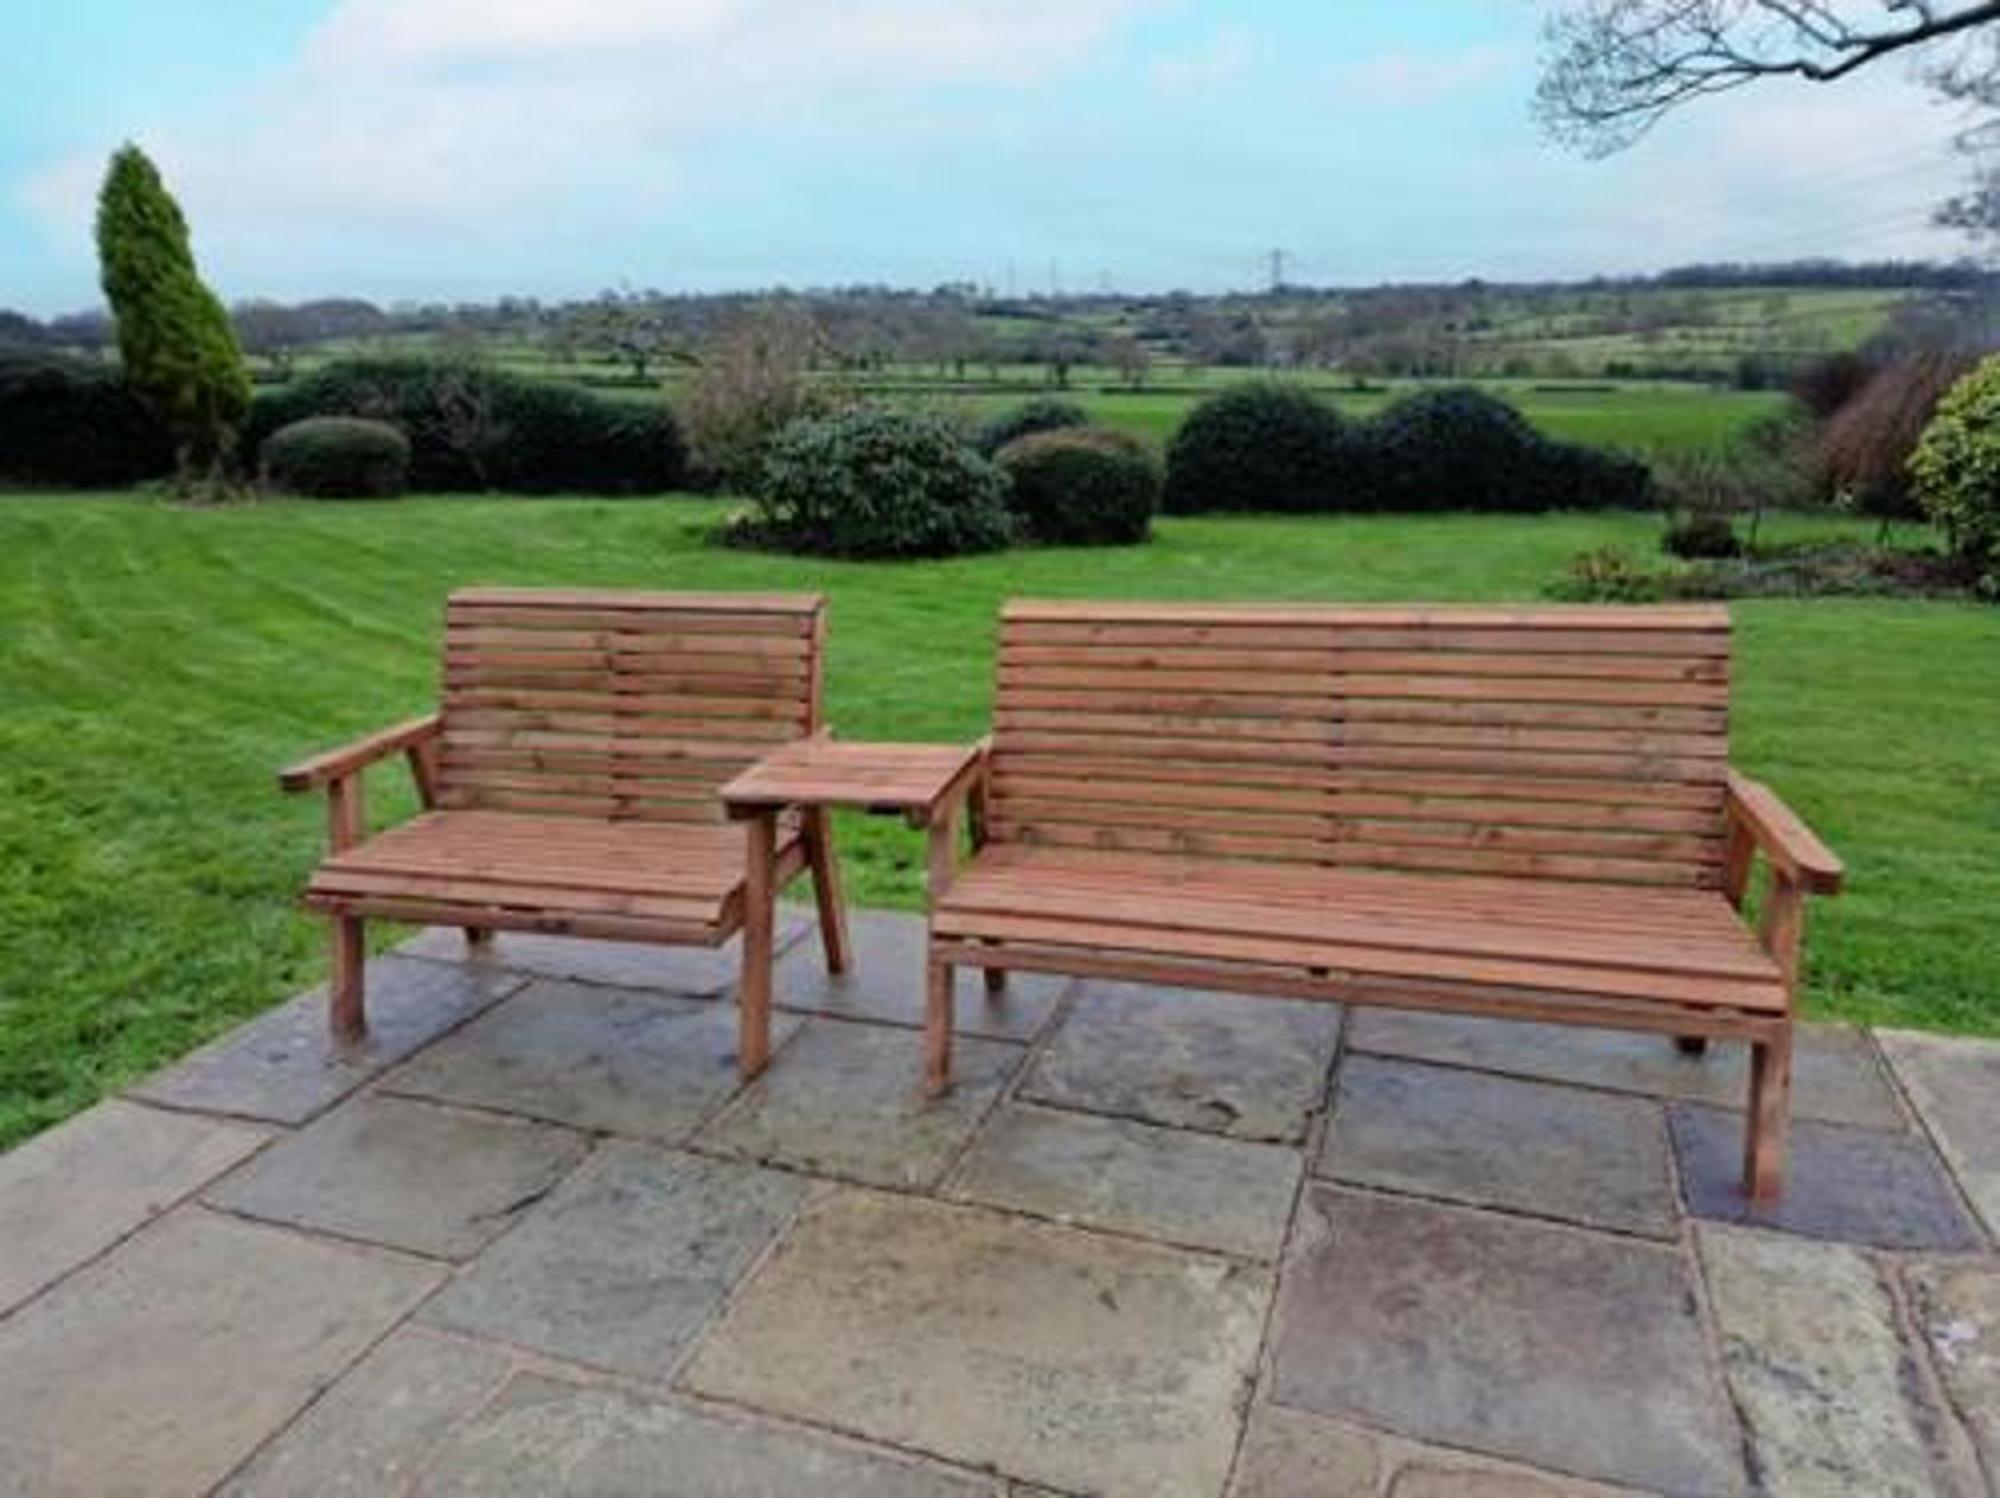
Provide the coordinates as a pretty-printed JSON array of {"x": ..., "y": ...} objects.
[
  {"x": 1786, "y": 841},
  {"x": 338, "y": 764},
  {"x": 968, "y": 787}
]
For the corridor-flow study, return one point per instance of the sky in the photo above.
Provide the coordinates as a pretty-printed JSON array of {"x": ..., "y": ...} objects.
[{"x": 465, "y": 149}]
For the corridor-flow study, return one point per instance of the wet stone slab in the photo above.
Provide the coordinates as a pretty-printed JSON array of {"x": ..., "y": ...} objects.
[
  {"x": 847, "y": 1100},
  {"x": 1835, "y": 1076},
  {"x": 625, "y": 1263},
  {"x": 692, "y": 972},
  {"x": 73, "y": 1191},
  {"x": 1173, "y": 1185},
  {"x": 1248, "y": 1067},
  {"x": 1549, "y": 1345},
  {"x": 886, "y": 983},
  {"x": 1810, "y": 1347},
  {"x": 611, "y": 1059},
  {"x": 541, "y": 1436},
  {"x": 284, "y": 1067},
  {"x": 404, "y": 1174},
  {"x": 160, "y": 1367},
  {"x": 1955, "y": 1083},
  {"x": 1497, "y": 1141},
  {"x": 1853, "y": 1185},
  {"x": 1958, "y": 1310},
  {"x": 1072, "y": 1359},
  {"x": 371, "y": 1431}
]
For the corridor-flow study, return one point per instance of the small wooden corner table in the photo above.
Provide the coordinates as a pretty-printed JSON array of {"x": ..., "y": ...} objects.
[{"x": 929, "y": 785}]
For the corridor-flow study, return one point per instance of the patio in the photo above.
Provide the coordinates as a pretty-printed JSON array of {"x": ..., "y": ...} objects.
[{"x": 534, "y": 1238}]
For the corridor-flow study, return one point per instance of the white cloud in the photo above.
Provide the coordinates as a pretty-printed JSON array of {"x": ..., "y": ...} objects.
[
  {"x": 1402, "y": 79},
  {"x": 1224, "y": 58},
  {"x": 449, "y": 117}
]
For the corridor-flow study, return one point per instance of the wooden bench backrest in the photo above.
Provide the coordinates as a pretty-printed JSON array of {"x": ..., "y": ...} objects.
[
  {"x": 618, "y": 704},
  {"x": 1561, "y": 743}
]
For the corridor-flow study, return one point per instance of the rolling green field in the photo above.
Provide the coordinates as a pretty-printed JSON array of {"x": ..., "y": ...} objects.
[{"x": 160, "y": 663}]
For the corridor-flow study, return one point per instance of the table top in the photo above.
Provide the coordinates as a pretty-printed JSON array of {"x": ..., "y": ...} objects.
[{"x": 913, "y": 779}]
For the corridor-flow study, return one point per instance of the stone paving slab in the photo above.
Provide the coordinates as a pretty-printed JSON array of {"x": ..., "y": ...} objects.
[
  {"x": 886, "y": 983},
  {"x": 1835, "y": 1076},
  {"x": 1587, "y": 1157},
  {"x": 542, "y": 1436},
  {"x": 369, "y": 1433},
  {"x": 1561, "y": 1348},
  {"x": 692, "y": 972},
  {"x": 1958, "y": 1309},
  {"x": 612, "y": 1059},
  {"x": 1810, "y": 1347},
  {"x": 626, "y": 1261},
  {"x": 1294, "y": 1454},
  {"x": 1173, "y": 1185},
  {"x": 160, "y": 1367},
  {"x": 71, "y": 1192},
  {"x": 1955, "y": 1083},
  {"x": 1248, "y": 1067},
  {"x": 404, "y": 1174},
  {"x": 847, "y": 1100},
  {"x": 284, "y": 1067},
  {"x": 1853, "y": 1185},
  {"x": 1050, "y": 1355}
]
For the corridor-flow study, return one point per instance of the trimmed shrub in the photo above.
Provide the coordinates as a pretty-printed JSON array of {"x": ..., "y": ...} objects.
[
  {"x": 1955, "y": 471},
  {"x": 1260, "y": 445},
  {"x": 175, "y": 343},
  {"x": 1459, "y": 448},
  {"x": 337, "y": 457},
  {"x": 1705, "y": 536},
  {"x": 69, "y": 422},
  {"x": 877, "y": 483},
  {"x": 1043, "y": 414},
  {"x": 1082, "y": 486},
  {"x": 473, "y": 428}
]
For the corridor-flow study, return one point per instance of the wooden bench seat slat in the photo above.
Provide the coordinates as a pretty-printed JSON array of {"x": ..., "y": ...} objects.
[
  {"x": 1720, "y": 945},
  {"x": 1328, "y": 955}
]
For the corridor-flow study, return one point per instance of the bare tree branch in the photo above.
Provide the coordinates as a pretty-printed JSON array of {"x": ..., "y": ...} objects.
[{"x": 1614, "y": 67}]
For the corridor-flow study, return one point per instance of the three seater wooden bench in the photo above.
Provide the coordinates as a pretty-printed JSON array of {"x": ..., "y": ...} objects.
[
  {"x": 1519, "y": 813},
  {"x": 569, "y": 782}
]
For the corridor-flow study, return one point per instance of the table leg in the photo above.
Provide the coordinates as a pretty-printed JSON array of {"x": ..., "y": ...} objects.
[{"x": 753, "y": 1001}]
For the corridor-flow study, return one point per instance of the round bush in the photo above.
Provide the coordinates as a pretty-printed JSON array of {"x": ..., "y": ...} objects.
[
  {"x": 1702, "y": 537},
  {"x": 1082, "y": 486},
  {"x": 1043, "y": 414},
  {"x": 475, "y": 428},
  {"x": 875, "y": 483},
  {"x": 73, "y": 423},
  {"x": 1955, "y": 470},
  {"x": 1454, "y": 449},
  {"x": 1259, "y": 446},
  {"x": 337, "y": 457},
  {"x": 1459, "y": 448}
]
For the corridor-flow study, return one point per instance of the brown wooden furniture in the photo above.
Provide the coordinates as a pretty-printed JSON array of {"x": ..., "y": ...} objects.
[
  {"x": 1523, "y": 813},
  {"x": 569, "y": 782},
  {"x": 930, "y": 785}
]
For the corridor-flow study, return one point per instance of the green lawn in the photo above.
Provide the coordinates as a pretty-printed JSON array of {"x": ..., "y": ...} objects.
[{"x": 160, "y": 663}]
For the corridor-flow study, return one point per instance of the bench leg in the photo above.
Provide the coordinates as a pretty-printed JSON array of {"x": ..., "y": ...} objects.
[
  {"x": 347, "y": 1011},
  {"x": 1691, "y": 1045},
  {"x": 753, "y": 987},
  {"x": 826, "y": 890},
  {"x": 937, "y": 1027},
  {"x": 479, "y": 938},
  {"x": 1768, "y": 1117},
  {"x": 996, "y": 981}
]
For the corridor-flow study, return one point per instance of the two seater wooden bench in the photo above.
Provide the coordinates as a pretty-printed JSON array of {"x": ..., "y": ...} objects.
[
  {"x": 1520, "y": 813},
  {"x": 569, "y": 783}
]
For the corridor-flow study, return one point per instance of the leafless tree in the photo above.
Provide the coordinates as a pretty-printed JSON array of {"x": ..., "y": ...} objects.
[{"x": 1614, "y": 68}]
